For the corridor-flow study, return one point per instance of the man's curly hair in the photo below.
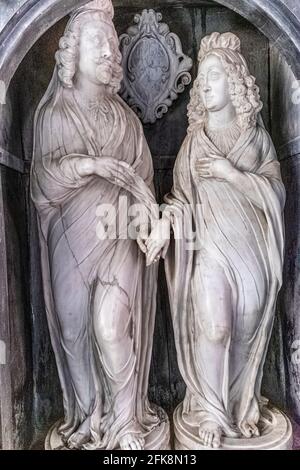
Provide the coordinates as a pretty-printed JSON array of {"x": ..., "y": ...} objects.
[{"x": 67, "y": 55}]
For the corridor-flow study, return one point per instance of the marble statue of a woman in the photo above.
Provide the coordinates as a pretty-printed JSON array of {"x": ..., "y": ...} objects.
[
  {"x": 89, "y": 150},
  {"x": 229, "y": 195}
]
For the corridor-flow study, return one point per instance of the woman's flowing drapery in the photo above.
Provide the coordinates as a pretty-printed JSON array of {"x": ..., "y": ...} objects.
[{"x": 241, "y": 234}]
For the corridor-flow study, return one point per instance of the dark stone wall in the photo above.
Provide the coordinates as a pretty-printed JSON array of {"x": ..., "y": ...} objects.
[
  {"x": 16, "y": 370},
  {"x": 285, "y": 109},
  {"x": 17, "y": 373}
]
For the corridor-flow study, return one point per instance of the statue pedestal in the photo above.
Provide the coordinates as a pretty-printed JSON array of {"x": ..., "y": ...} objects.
[
  {"x": 158, "y": 439},
  {"x": 276, "y": 434}
]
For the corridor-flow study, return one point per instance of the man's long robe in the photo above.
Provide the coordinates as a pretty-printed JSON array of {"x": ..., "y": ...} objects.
[{"x": 75, "y": 260}]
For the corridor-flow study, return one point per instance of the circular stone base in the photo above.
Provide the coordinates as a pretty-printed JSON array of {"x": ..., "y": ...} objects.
[
  {"x": 276, "y": 434},
  {"x": 158, "y": 439}
]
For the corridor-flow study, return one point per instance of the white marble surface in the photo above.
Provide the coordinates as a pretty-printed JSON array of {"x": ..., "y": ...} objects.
[
  {"x": 224, "y": 261},
  {"x": 275, "y": 434},
  {"x": 7, "y": 9},
  {"x": 89, "y": 150}
]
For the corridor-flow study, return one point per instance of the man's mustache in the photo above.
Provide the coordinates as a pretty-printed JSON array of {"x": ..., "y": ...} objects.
[
  {"x": 113, "y": 66},
  {"x": 103, "y": 61}
]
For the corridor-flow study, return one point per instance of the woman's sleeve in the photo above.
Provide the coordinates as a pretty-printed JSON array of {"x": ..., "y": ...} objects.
[{"x": 265, "y": 182}]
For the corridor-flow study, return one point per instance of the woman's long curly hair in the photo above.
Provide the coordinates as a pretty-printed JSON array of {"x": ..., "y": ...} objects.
[
  {"x": 243, "y": 91},
  {"x": 67, "y": 55}
]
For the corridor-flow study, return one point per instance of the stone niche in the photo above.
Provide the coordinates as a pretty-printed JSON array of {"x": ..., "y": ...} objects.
[{"x": 30, "y": 397}]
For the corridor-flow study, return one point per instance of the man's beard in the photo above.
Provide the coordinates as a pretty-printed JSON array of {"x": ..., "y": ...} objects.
[{"x": 109, "y": 73}]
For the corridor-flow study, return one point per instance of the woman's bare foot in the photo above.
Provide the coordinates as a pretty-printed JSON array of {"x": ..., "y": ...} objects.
[
  {"x": 132, "y": 441},
  {"x": 210, "y": 434},
  {"x": 249, "y": 429},
  {"x": 81, "y": 436}
]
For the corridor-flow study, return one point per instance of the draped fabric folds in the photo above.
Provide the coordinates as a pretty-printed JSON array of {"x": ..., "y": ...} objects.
[
  {"x": 86, "y": 279},
  {"x": 238, "y": 232}
]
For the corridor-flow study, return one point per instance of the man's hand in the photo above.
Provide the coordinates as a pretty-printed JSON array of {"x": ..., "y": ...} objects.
[{"x": 116, "y": 171}]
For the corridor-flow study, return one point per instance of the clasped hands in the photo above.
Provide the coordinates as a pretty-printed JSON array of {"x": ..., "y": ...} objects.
[{"x": 156, "y": 245}]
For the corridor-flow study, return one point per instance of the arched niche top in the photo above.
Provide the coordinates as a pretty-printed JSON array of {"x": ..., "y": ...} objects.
[{"x": 274, "y": 19}]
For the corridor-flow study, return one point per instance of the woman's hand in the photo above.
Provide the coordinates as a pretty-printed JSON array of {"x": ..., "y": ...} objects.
[
  {"x": 220, "y": 168},
  {"x": 158, "y": 242},
  {"x": 142, "y": 238}
]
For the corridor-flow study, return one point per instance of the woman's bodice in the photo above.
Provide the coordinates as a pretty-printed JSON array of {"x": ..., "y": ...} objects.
[{"x": 224, "y": 138}]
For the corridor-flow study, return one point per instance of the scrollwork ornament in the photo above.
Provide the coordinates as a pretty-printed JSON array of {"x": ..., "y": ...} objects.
[{"x": 155, "y": 68}]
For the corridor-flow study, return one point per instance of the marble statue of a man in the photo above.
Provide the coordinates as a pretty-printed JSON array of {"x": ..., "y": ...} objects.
[
  {"x": 228, "y": 195},
  {"x": 89, "y": 150}
]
